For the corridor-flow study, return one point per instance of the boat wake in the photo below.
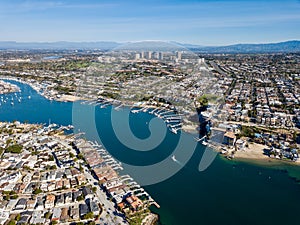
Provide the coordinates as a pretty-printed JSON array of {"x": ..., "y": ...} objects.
[{"x": 175, "y": 160}]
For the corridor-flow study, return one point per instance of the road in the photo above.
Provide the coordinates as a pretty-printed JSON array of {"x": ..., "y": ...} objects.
[{"x": 109, "y": 215}]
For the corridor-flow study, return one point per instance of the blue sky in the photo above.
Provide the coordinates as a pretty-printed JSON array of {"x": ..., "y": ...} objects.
[{"x": 216, "y": 22}]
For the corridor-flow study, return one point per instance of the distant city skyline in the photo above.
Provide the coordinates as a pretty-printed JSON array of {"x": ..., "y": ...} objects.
[{"x": 216, "y": 22}]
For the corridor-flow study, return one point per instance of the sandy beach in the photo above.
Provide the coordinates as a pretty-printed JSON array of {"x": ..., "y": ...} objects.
[
  {"x": 68, "y": 98},
  {"x": 254, "y": 151},
  {"x": 190, "y": 128}
]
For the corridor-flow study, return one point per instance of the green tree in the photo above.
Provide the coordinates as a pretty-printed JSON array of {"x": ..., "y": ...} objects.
[
  {"x": 89, "y": 215},
  {"x": 37, "y": 191},
  {"x": 80, "y": 156},
  {"x": 17, "y": 149},
  {"x": 14, "y": 196},
  {"x": 18, "y": 217},
  {"x": 203, "y": 100},
  {"x": 47, "y": 215},
  {"x": 53, "y": 167},
  {"x": 12, "y": 222},
  {"x": 80, "y": 198},
  {"x": 80, "y": 168},
  {"x": 79, "y": 223}
]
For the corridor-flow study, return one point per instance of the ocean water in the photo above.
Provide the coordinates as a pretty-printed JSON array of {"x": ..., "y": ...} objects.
[{"x": 227, "y": 193}]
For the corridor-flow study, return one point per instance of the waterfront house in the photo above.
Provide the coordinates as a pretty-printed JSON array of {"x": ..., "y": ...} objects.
[
  {"x": 229, "y": 138},
  {"x": 134, "y": 202},
  {"x": 112, "y": 183},
  {"x": 240, "y": 144}
]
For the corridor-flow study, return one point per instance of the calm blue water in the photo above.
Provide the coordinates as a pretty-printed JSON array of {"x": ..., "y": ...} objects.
[
  {"x": 37, "y": 109},
  {"x": 226, "y": 193}
]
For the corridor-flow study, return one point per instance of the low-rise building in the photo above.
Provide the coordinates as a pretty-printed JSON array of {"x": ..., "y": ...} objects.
[
  {"x": 56, "y": 214},
  {"x": 49, "y": 203},
  {"x": 74, "y": 212},
  {"x": 83, "y": 209},
  {"x": 64, "y": 217},
  {"x": 21, "y": 204},
  {"x": 87, "y": 192},
  {"x": 229, "y": 138}
]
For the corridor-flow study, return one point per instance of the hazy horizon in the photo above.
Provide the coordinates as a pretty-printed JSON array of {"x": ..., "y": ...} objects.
[
  {"x": 207, "y": 23},
  {"x": 128, "y": 42}
]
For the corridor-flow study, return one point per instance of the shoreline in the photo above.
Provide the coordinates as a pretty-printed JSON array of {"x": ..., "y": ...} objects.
[
  {"x": 254, "y": 154},
  {"x": 251, "y": 154},
  {"x": 62, "y": 98},
  {"x": 8, "y": 88}
]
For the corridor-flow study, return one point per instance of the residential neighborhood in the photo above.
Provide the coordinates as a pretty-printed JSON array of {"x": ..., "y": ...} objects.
[{"x": 46, "y": 178}]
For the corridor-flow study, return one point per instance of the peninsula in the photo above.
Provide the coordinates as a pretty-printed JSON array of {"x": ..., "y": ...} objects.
[
  {"x": 48, "y": 177},
  {"x": 251, "y": 101}
]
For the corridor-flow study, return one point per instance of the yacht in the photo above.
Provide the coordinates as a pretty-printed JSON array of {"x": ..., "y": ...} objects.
[
  {"x": 174, "y": 130},
  {"x": 204, "y": 143}
]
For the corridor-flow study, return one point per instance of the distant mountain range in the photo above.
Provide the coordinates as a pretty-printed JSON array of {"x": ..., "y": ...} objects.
[
  {"x": 288, "y": 46},
  {"x": 105, "y": 45}
]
